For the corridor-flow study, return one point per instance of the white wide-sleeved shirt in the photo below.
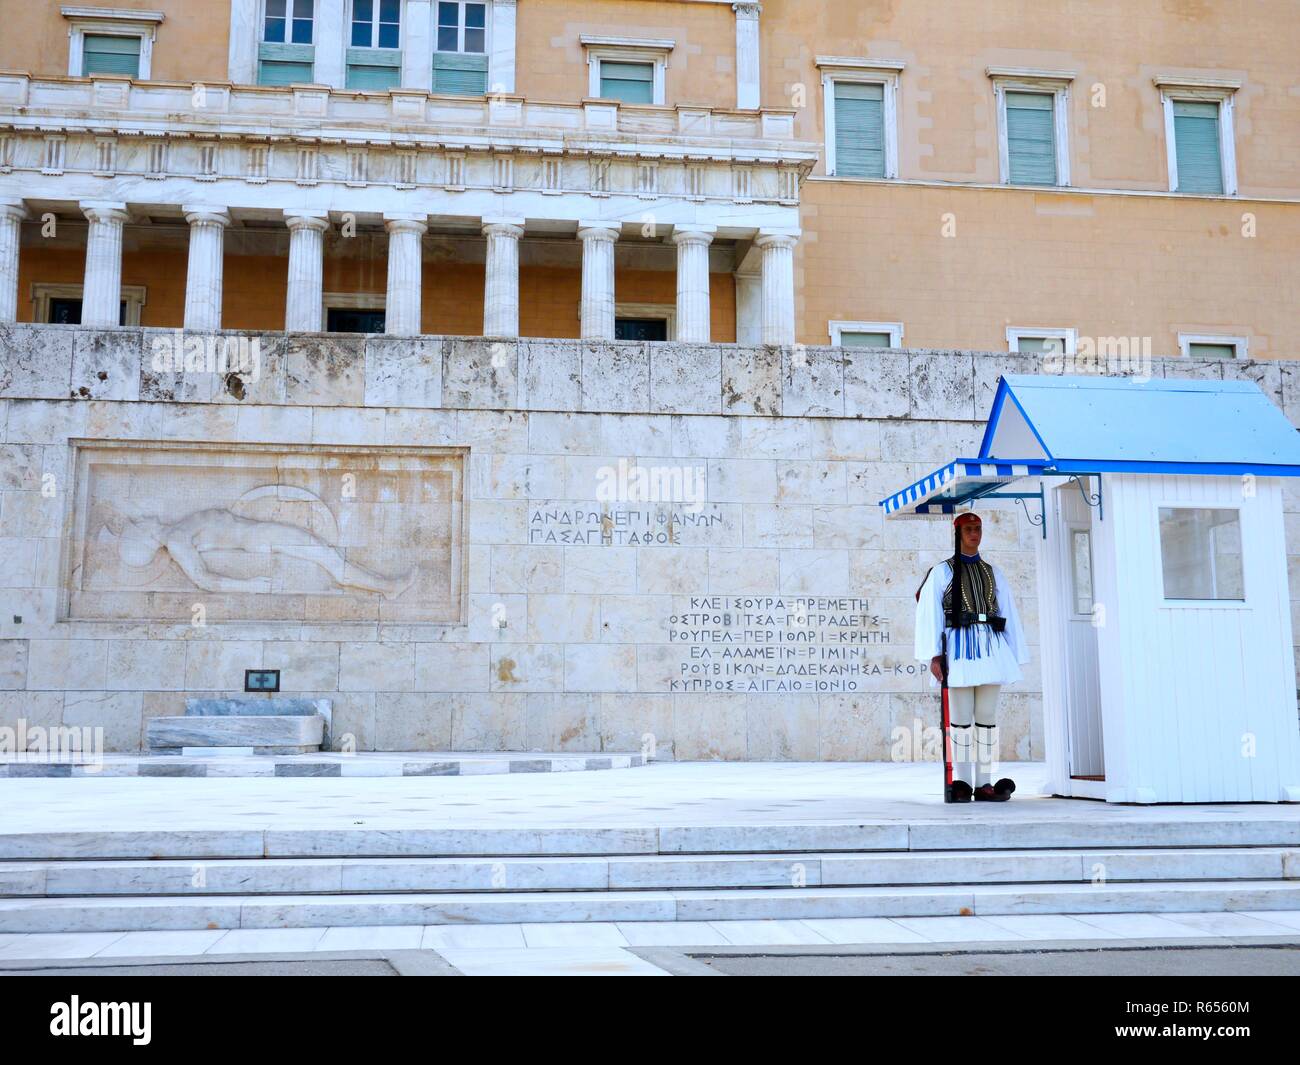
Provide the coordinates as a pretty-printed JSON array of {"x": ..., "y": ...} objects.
[{"x": 970, "y": 662}]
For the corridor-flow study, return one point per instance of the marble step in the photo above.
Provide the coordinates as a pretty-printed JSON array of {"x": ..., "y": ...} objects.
[
  {"x": 279, "y": 876},
  {"x": 973, "y": 832},
  {"x": 229, "y": 762},
  {"x": 717, "y": 904}
]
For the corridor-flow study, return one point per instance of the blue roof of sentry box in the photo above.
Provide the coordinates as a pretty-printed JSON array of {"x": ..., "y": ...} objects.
[
  {"x": 1124, "y": 424},
  {"x": 1062, "y": 425}
]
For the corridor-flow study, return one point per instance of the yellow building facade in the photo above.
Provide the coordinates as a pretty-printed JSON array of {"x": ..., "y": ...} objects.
[{"x": 971, "y": 175}]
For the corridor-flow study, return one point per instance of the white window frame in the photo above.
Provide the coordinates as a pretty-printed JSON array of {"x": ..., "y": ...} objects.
[
  {"x": 627, "y": 50},
  {"x": 1240, "y": 343},
  {"x": 110, "y": 22},
  {"x": 1053, "y": 82},
  {"x": 460, "y": 27},
  {"x": 134, "y": 296},
  {"x": 1069, "y": 337},
  {"x": 1201, "y": 91},
  {"x": 288, "y": 27},
  {"x": 837, "y": 330},
  {"x": 667, "y": 311},
  {"x": 1244, "y": 603},
  {"x": 374, "y": 28},
  {"x": 864, "y": 71}
]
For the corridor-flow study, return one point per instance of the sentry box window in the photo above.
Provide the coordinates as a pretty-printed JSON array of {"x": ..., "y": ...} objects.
[{"x": 261, "y": 680}]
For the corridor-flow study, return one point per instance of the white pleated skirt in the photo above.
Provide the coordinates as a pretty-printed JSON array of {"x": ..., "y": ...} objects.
[{"x": 996, "y": 662}]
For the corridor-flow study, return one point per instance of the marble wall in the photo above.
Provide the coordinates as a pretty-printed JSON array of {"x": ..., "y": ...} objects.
[{"x": 549, "y": 544}]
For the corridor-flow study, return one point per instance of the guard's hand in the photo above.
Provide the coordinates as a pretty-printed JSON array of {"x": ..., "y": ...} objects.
[{"x": 936, "y": 667}]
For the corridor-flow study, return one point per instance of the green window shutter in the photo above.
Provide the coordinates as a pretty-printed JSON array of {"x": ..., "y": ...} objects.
[
  {"x": 859, "y": 130},
  {"x": 632, "y": 83},
  {"x": 864, "y": 340},
  {"x": 376, "y": 79},
  {"x": 460, "y": 75},
  {"x": 376, "y": 69},
  {"x": 285, "y": 64},
  {"x": 1196, "y": 139},
  {"x": 1212, "y": 351},
  {"x": 1031, "y": 138},
  {"x": 110, "y": 55},
  {"x": 271, "y": 72}
]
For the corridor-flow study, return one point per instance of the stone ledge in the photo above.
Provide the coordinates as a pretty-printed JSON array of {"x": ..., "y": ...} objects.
[{"x": 537, "y": 374}]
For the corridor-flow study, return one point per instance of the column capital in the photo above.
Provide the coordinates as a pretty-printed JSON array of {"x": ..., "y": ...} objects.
[
  {"x": 110, "y": 211},
  {"x": 503, "y": 227},
  {"x": 197, "y": 215},
  {"x": 407, "y": 223},
  {"x": 747, "y": 8},
  {"x": 690, "y": 233},
  {"x": 610, "y": 231},
  {"x": 306, "y": 220},
  {"x": 777, "y": 239},
  {"x": 14, "y": 209}
]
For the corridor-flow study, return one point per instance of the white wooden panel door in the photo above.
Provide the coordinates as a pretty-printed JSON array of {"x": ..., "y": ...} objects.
[{"x": 1082, "y": 674}]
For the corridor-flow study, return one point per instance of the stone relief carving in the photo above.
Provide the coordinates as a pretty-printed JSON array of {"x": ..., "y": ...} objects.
[
  {"x": 192, "y": 539},
  {"x": 255, "y": 532}
]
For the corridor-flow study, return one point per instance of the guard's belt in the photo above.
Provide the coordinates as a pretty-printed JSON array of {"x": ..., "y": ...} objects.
[{"x": 964, "y": 619}]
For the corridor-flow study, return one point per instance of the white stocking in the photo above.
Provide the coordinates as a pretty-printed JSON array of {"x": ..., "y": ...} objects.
[
  {"x": 986, "y": 732},
  {"x": 961, "y": 712}
]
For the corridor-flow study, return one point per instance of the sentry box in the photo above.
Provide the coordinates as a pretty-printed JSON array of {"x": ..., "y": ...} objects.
[{"x": 1164, "y": 613}]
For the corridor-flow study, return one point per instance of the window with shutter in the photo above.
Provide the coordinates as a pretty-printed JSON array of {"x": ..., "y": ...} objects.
[
  {"x": 632, "y": 83},
  {"x": 859, "y": 130},
  {"x": 460, "y": 63},
  {"x": 1196, "y": 146},
  {"x": 1031, "y": 138},
  {"x": 102, "y": 54}
]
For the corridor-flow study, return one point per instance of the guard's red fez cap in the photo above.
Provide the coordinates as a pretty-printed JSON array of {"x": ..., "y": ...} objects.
[{"x": 968, "y": 518}]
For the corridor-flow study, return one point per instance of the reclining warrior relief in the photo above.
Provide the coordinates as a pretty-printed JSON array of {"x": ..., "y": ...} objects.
[{"x": 200, "y": 540}]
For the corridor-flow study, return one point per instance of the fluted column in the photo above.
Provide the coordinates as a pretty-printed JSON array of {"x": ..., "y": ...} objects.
[
  {"x": 501, "y": 280},
  {"x": 693, "y": 322},
  {"x": 778, "y": 286},
  {"x": 596, "y": 310},
  {"x": 402, "y": 310},
  {"x": 302, "y": 305},
  {"x": 12, "y": 213},
  {"x": 203, "y": 281},
  {"x": 101, "y": 295}
]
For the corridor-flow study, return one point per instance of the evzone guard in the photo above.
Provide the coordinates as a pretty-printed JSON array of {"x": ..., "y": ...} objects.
[{"x": 968, "y": 629}]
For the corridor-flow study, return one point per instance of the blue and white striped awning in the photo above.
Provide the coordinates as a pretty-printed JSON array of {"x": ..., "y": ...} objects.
[{"x": 962, "y": 481}]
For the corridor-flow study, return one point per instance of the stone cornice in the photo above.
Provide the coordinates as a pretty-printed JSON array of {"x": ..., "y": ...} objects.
[
  {"x": 105, "y": 104},
  {"x": 58, "y": 136},
  {"x": 114, "y": 14}
]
